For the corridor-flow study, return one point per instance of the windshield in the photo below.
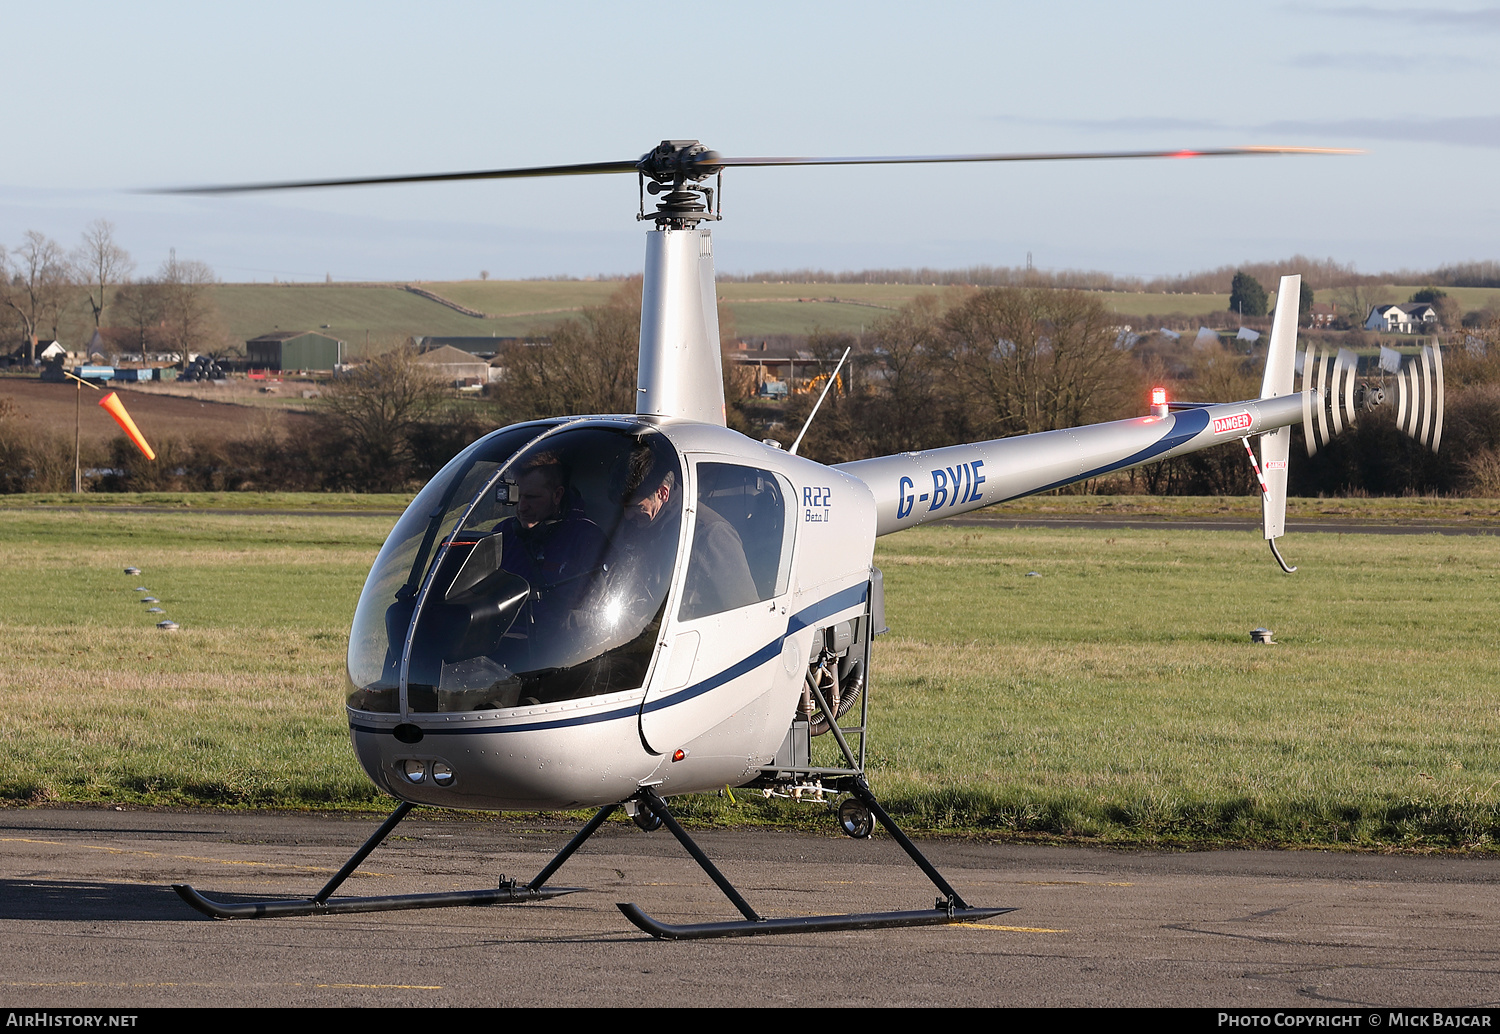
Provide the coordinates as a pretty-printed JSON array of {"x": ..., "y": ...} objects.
[{"x": 534, "y": 576}]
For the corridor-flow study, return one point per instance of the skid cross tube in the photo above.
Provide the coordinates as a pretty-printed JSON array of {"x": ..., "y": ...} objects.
[
  {"x": 949, "y": 909},
  {"x": 583, "y": 834},
  {"x": 323, "y": 904}
]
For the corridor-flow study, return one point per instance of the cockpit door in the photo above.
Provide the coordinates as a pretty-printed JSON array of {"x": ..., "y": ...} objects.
[{"x": 722, "y": 657}]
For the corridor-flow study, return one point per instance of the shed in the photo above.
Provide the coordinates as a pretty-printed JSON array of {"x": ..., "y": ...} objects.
[
  {"x": 294, "y": 350},
  {"x": 487, "y": 346},
  {"x": 455, "y": 366}
]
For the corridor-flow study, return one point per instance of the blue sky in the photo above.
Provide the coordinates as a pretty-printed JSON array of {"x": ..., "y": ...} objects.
[{"x": 120, "y": 97}]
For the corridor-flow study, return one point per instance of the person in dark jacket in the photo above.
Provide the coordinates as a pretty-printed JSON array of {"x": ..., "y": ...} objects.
[
  {"x": 718, "y": 577},
  {"x": 550, "y": 541}
]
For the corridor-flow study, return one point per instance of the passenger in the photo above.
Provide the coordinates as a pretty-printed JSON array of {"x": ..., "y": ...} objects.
[
  {"x": 550, "y": 541},
  {"x": 718, "y": 576}
]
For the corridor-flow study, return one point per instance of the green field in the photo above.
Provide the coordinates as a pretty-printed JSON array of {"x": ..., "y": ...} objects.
[
  {"x": 1116, "y": 698},
  {"x": 386, "y": 312}
]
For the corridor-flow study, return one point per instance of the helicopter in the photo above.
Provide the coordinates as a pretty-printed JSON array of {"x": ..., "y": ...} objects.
[{"x": 607, "y": 611}]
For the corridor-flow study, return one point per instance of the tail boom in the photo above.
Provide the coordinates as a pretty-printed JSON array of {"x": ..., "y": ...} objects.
[{"x": 916, "y": 488}]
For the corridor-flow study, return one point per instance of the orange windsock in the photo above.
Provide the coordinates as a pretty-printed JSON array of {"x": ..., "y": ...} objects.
[{"x": 116, "y": 408}]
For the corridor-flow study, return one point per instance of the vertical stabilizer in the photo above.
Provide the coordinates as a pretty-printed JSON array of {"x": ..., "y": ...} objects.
[
  {"x": 680, "y": 368},
  {"x": 1275, "y": 446}
]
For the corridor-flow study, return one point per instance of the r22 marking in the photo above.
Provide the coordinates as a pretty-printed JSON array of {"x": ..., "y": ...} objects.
[
  {"x": 949, "y": 486},
  {"x": 817, "y": 504}
]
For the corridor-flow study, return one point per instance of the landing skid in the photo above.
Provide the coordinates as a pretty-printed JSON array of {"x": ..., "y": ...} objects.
[
  {"x": 505, "y": 895},
  {"x": 950, "y": 908},
  {"x": 806, "y": 924},
  {"x": 323, "y": 903}
]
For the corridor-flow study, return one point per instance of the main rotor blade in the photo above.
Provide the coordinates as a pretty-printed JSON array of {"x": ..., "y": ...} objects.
[
  {"x": 1207, "y": 152},
  {"x": 583, "y": 169},
  {"x": 707, "y": 162}
]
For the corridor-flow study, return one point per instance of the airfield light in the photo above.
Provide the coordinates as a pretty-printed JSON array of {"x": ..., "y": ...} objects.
[
  {"x": 442, "y": 773},
  {"x": 414, "y": 770},
  {"x": 1159, "y": 402}
]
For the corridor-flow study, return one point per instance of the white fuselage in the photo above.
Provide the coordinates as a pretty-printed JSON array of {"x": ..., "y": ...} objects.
[
  {"x": 710, "y": 696},
  {"x": 721, "y": 689}
]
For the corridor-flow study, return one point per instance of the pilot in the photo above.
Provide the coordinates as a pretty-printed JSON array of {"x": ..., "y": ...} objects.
[
  {"x": 718, "y": 576},
  {"x": 550, "y": 541}
]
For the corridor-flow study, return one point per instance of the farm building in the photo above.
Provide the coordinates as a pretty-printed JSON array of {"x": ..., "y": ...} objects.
[
  {"x": 294, "y": 350},
  {"x": 486, "y": 346},
  {"x": 455, "y": 366}
]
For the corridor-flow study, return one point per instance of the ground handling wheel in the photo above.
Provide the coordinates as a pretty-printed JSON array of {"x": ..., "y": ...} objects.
[{"x": 855, "y": 819}]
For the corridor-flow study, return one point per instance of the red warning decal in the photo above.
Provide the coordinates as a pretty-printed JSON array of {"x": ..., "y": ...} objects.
[{"x": 1226, "y": 424}]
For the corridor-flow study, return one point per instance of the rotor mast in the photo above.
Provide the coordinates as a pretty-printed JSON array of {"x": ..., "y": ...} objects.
[{"x": 680, "y": 368}]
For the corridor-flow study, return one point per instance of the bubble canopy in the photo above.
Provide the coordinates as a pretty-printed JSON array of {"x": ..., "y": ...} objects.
[{"x": 533, "y": 568}]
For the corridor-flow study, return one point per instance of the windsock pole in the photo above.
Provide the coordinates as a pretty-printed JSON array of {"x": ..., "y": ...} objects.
[{"x": 77, "y": 422}]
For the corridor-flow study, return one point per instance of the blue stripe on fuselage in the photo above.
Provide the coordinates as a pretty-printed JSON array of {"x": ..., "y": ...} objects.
[
  {"x": 807, "y": 616},
  {"x": 841, "y": 600}
]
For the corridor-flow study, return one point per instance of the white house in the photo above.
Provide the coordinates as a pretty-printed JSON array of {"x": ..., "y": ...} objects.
[{"x": 1402, "y": 319}]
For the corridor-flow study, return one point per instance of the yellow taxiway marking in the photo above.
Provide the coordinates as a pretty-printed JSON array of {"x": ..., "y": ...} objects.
[
  {"x": 1009, "y": 929},
  {"x": 183, "y": 857}
]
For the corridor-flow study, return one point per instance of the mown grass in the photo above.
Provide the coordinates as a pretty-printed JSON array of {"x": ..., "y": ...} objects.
[
  {"x": 333, "y": 502},
  {"x": 1408, "y": 510},
  {"x": 242, "y": 706},
  {"x": 1118, "y": 696},
  {"x": 1115, "y": 698}
]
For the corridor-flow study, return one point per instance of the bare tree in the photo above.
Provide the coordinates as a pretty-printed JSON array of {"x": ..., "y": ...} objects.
[
  {"x": 589, "y": 366},
  {"x": 138, "y": 308},
  {"x": 1037, "y": 359},
  {"x": 189, "y": 318},
  {"x": 101, "y": 264},
  {"x": 1354, "y": 301},
  {"x": 34, "y": 285},
  {"x": 911, "y": 407},
  {"x": 378, "y": 407}
]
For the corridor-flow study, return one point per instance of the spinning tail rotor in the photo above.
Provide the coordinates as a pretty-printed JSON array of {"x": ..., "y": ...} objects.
[{"x": 1334, "y": 395}]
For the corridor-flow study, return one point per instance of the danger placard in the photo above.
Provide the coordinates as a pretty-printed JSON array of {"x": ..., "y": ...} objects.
[{"x": 1226, "y": 424}]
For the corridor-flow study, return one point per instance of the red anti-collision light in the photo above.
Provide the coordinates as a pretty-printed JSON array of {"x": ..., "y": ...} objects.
[{"x": 1159, "y": 407}]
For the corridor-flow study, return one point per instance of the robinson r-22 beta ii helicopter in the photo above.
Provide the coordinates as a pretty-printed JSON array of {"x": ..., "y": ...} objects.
[{"x": 606, "y": 611}]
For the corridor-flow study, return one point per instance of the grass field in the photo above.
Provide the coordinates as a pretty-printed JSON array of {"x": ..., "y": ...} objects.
[
  {"x": 1116, "y": 698},
  {"x": 521, "y": 307},
  {"x": 385, "y": 312}
]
